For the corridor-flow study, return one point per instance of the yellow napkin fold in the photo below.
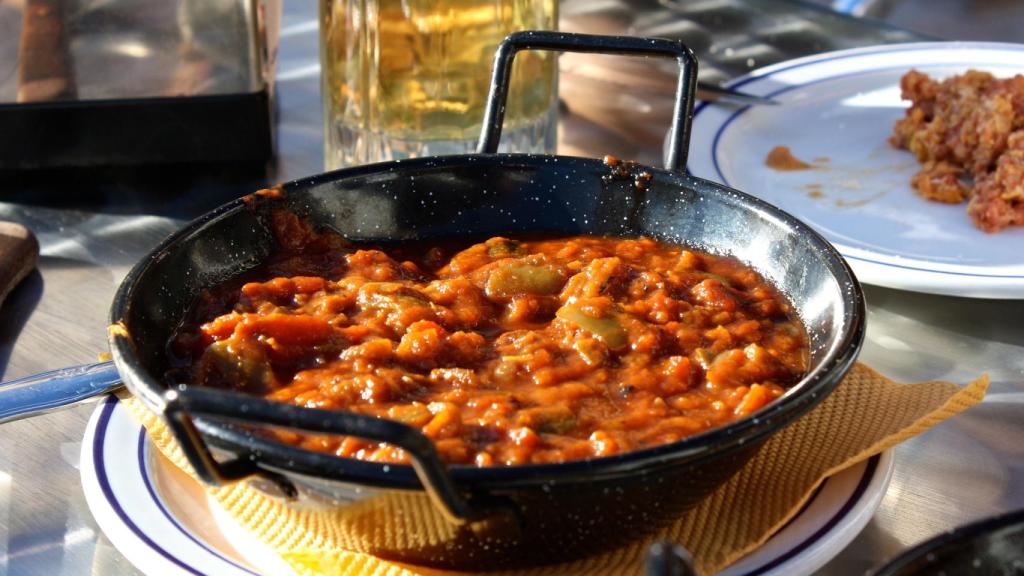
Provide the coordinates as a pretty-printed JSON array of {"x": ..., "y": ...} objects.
[{"x": 866, "y": 414}]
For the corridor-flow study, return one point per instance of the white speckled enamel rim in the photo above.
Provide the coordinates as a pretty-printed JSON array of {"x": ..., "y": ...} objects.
[
  {"x": 840, "y": 107},
  {"x": 160, "y": 520}
]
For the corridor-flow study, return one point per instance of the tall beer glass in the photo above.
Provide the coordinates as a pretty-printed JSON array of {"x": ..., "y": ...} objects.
[{"x": 408, "y": 78}]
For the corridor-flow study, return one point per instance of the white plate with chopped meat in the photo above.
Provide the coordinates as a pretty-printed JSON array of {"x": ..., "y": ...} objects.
[{"x": 834, "y": 121}]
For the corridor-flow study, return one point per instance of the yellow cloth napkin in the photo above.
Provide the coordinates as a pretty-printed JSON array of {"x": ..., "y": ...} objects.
[{"x": 866, "y": 414}]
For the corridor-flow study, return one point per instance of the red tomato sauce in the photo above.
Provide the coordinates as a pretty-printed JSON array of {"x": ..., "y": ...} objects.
[{"x": 509, "y": 351}]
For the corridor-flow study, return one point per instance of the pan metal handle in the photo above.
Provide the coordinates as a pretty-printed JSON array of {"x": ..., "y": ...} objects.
[
  {"x": 187, "y": 401},
  {"x": 682, "y": 114}
]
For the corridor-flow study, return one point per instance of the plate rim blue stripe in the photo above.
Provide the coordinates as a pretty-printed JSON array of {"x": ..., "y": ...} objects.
[
  {"x": 144, "y": 470},
  {"x": 110, "y": 404},
  {"x": 844, "y": 510},
  {"x": 99, "y": 463}
]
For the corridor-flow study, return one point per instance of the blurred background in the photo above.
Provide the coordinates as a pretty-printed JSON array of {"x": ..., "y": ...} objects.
[{"x": 993, "y": 20}]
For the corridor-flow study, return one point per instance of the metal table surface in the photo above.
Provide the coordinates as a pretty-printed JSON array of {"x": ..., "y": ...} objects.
[{"x": 93, "y": 227}]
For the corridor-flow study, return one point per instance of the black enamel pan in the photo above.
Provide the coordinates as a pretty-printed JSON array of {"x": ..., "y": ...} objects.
[{"x": 503, "y": 516}]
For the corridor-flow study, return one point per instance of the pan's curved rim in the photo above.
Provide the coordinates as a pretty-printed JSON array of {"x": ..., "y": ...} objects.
[{"x": 720, "y": 441}]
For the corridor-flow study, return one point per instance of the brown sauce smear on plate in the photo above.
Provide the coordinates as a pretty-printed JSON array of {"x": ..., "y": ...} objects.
[
  {"x": 781, "y": 158},
  {"x": 503, "y": 352}
]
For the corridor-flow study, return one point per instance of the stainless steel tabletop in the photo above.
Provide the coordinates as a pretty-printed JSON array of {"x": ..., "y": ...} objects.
[{"x": 93, "y": 228}]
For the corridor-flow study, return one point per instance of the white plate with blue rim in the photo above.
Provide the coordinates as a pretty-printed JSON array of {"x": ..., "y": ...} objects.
[
  {"x": 836, "y": 111},
  {"x": 165, "y": 524}
]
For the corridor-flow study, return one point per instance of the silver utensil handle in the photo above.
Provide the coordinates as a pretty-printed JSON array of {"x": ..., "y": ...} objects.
[{"x": 56, "y": 389}]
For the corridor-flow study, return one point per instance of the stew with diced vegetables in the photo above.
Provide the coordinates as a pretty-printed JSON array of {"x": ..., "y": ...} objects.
[{"x": 509, "y": 351}]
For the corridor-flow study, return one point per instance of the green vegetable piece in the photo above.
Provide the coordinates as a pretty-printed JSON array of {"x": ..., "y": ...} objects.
[
  {"x": 515, "y": 279},
  {"x": 547, "y": 419},
  {"x": 608, "y": 329},
  {"x": 704, "y": 357},
  {"x": 504, "y": 248},
  {"x": 725, "y": 281},
  {"x": 246, "y": 368},
  {"x": 389, "y": 296}
]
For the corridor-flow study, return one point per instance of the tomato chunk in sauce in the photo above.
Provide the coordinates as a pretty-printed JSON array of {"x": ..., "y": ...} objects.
[{"x": 509, "y": 351}]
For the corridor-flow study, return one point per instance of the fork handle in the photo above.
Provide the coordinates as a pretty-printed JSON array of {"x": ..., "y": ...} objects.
[{"x": 48, "y": 391}]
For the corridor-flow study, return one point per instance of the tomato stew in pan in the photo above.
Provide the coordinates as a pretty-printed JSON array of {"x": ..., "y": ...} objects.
[{"x": 509, "y": 351}]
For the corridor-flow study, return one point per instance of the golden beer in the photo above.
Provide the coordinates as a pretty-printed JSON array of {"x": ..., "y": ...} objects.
[{"x": 407, "y": 78}]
